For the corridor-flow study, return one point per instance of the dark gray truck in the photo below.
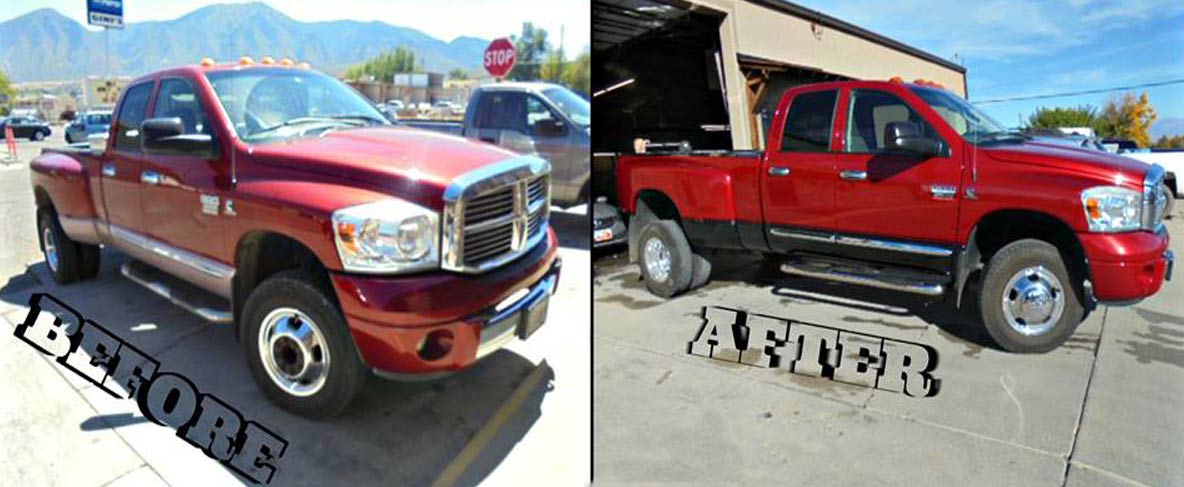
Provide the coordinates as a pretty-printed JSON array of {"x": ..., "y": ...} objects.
[{"x": 542, "y": 119}]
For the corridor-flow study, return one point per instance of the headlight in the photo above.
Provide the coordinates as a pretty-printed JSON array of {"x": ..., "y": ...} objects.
[
  {"x": 1110, "y": 209},
  {"x": 387, "y": 236}
]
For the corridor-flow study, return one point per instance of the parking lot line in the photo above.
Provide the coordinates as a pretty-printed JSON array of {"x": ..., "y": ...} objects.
[{"x": 487, "y": 433}]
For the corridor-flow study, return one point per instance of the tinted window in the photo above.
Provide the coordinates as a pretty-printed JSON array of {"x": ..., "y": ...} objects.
[
  {"x": 131, "y": 113},
  {"x": 537, "y": 112},
  {"x": 870, "y": 113},
  {"x": 176, "y": 98},
  {"x": 503, "y": 111},
  {"x": 808, "y": 124}
]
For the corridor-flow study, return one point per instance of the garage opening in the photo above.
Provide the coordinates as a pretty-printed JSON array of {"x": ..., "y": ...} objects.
[{"x": 766, "y": 81}]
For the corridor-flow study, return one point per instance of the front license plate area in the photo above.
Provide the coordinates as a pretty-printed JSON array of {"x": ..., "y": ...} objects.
[{"x": 533, "y": 318}]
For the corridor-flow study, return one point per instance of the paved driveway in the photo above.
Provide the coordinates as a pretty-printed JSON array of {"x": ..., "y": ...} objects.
[{"x": 1105, "y": 409}]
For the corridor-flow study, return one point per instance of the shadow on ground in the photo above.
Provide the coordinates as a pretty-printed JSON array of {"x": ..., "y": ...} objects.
[{"x": 395, "y": 433}]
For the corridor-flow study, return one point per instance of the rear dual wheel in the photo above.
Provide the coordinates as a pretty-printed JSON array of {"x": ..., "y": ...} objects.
[
  {"x": 668, "y": 264},
  {"x": 67, "y": 260}
]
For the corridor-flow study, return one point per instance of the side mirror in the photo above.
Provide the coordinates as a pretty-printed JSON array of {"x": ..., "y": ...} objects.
[
  {"x": 166, "y": 136},
  {"x": 550, "y": 127},
  {"x": 906, "y": 137}
]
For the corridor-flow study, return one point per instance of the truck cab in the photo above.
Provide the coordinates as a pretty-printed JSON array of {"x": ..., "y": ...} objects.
[{"x": 907, "y": 187}]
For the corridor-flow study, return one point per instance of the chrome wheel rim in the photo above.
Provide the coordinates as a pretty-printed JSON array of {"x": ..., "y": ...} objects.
[
  {"x": 657, "y": 259},
  {"x": 51, "y": 249},
  {"x": 294, "y": 352},
  {"x": 1033, "y": 301}
]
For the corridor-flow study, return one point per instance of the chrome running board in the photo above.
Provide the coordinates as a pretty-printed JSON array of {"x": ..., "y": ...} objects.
[
  {"x": 200, "y": 302},
  {"x": 866, "y": 274}
]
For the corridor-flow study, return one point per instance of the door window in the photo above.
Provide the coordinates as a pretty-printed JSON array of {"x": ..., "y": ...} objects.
[
  {"x": 504, "y": 111},
  {"x": 131, "y": 113},
  {"x": 540, "y": 119},
  {"x": 809, "y": 121},
  {"x": 178, "y": 99},
  {"x": 870, "y": 113}
]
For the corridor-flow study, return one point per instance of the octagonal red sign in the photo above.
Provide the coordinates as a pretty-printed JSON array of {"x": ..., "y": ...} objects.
[{"x": 500, "y": 57}]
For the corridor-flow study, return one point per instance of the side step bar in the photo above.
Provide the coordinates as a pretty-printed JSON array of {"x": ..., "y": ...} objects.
[
  {"x": 866, "y": 274},
  {"x": 189, "y": 297}
]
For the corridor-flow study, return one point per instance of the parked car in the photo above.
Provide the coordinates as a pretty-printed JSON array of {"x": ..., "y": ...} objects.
[
  {"x": 395, "y": 105},
  {"x": 278, "y": 199},
  {"x": 532, "y": 118},
  {"x": 26, "y": 128},
  {"x": 87, "y": 124},
  {"x": 912, "y": 189},
  {"x": 608, "y": 227}
]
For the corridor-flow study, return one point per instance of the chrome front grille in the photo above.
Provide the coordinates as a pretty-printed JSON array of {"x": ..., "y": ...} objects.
[
  {"x": 495, "y": 214},
  {"x": 1154, "y": 200}
]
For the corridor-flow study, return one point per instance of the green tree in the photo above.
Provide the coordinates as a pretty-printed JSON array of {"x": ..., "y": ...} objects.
[
  {"x": 384, "y": 66},
  {"x": 577, "y": 74},
  {"x": 7, "y": 93},
  {"x": 552, "y": 68},
  {"x": 1127, "y": 117},
  {"x": 1051, "y": 118},
  {"x": 458, "y": 73},
  {"x": 532, "y": 46},
  {"x": 1166, "y": 142}
]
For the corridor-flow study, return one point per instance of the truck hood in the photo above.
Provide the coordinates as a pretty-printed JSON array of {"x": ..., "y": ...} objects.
[
  {"x": 1102, "y": 165},
  {"x": 395, "y": 160}
]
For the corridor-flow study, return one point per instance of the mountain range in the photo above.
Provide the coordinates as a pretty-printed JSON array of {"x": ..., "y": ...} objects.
[{"x": 45, "y": 45}]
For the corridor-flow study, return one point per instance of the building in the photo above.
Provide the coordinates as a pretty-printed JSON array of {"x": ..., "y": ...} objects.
[
  {"x": 710, "y": 72},
  {"x": 406, "y": 87},
  {"x": 98, "y": 92}
]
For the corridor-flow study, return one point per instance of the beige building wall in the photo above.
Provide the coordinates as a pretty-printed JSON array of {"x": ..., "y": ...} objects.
[{"x": 765, "y": 33}]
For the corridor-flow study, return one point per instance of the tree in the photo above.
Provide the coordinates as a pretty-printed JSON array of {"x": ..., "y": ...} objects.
[
  {"x": 1058, "y": 117},
  {"x": 458, "y": 73},
  {"x": 1173, "y": 142},
  {"x": 386, "y": 65},
  {"x": 532, "y": 45},
  {"x": 7, "y": 93},
  {"x": 1127, "y": 117},
  {"x": 552, "y": 68},
  {"x": 577, "y": 74}
]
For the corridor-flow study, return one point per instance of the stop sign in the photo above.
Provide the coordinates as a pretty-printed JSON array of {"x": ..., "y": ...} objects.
[{"x": 500, "y": 57}]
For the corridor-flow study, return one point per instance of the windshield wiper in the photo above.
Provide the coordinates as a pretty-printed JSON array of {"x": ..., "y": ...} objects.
[
  {"x": 360, "y": 117},
  {"x": 303, "y": 121}
]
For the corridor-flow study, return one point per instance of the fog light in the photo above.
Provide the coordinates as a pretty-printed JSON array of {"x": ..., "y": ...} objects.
[{"x": 435, "y": 345}]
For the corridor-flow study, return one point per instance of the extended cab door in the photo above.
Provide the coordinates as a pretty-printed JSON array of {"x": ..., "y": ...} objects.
[
  {"x": 120, "y": 172},
  {"x": 893, "y": 197},
  {"x": 182, "y": 199},
  {"x": 798, "y": 177}
]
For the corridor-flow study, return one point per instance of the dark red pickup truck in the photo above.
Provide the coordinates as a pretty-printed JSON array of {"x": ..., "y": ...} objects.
[
  {"x": 910, "y": 188},
  {"x": 277, "y": 198}
]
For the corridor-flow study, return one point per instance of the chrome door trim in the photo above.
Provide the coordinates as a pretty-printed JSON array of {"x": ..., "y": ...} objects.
[
  {"x": 200, "y": 271},
  {"x": 871, "y": 243}
]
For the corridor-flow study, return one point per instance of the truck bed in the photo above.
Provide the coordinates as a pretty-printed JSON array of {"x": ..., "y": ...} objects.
[{"x": 707, "y": 185}]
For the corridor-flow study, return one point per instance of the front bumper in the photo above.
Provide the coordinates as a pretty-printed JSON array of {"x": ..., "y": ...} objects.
[
  {"x": 391, "y": 317},
  {"x": 1127, "y": 267}
]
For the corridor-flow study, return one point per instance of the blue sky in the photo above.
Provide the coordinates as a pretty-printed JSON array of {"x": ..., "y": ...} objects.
[
  {"x": 443, "y": 19},
  {"x": 1015, "y": 48}
]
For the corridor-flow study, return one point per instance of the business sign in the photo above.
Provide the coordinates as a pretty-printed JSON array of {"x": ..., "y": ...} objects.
[
  {"x": 105, "y": 13},
  {"x": 500, "y": 57}
]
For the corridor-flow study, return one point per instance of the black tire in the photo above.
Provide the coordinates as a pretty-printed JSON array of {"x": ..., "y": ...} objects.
[
  {"x": 38, "y": 136},
  {"x": 68, "y": 267},
  {"x": 68, "y": 141},
  {"x": 672, "y": 239},
  {"x": 700, "y": 271},
  {"x": 91, "y": 259},
  {"x": 1008, "y": 263},
  {"x": 346, "y": 373}
]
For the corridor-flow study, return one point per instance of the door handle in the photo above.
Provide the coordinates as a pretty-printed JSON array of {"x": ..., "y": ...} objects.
[
  {"x": 850, "y": 175},
  {"x": 150, "y": 177},
  {"x": 109, "y": 170},
  {"x": 778, "y": 171}
]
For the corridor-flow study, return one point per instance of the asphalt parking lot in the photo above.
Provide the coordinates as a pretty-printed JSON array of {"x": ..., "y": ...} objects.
[
  {"x": 1104, "y": 409},
  {"x": 522, "y": 407}
]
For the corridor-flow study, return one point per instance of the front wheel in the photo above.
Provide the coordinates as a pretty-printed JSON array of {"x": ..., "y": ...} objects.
[
  {"x": 1028, "y": 301},
  {"x": 299, "y": 348},
  {"x": 38, "y": 136}
]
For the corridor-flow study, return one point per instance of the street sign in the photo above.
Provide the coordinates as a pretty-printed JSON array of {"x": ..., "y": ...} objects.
[
  {"x": 500, "y": 57},
  {"x": 105, "y": 13}
]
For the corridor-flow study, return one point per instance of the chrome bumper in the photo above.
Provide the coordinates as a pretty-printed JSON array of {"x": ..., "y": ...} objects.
[{"x": 503, "y": 326}]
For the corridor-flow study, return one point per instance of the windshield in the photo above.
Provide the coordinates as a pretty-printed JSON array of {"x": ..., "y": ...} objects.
[
  {"x": 99, "y": 119},
  {"x": 970, "y": 122},
  {"x": 576, "y": 108},
  {"x": 269, "y": 105}
]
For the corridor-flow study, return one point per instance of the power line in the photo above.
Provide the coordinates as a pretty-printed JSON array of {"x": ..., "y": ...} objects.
[{"x": 1075, "y": 93}]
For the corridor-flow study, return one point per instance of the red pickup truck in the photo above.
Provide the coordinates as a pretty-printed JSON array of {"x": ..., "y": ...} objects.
[
  {"x": 908, "y": 187},
  {"x": 274, "y": 197}
]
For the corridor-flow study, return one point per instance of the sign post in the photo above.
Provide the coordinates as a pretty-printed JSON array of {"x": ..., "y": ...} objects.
[
  {"x": 109, "y": 15},
  {"x": 500, "y": 57}
]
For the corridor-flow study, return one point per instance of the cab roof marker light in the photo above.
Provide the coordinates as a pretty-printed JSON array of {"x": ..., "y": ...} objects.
[
  {"x": 304, "y": 65},
  {"x": 286, "y": 62},
  {"x": 206, "y": 62},
  {"x": 245, "y": 61},
  {"x": 266, "y": 60}
]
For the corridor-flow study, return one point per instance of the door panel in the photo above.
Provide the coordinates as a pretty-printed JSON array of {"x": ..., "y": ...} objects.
[
  {"x": 901, "y": 196},
  {"x": 121, "y": 170},
  {"x": 182, "y": 201},
  {"x": 798, "y": 179}
]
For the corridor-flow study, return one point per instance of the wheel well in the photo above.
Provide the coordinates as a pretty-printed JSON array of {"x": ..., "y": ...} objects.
[
  {"x": 998, "y": 229},
  {"x": 651, "y": 205},
  {"x": 41, "y": 197},
  {"x": 263, "y": 254}
]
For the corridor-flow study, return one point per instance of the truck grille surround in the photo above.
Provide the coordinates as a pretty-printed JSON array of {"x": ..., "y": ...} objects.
[
  {"x": 495, "y": 214},
  {"x": 1154, "y": 200}
]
